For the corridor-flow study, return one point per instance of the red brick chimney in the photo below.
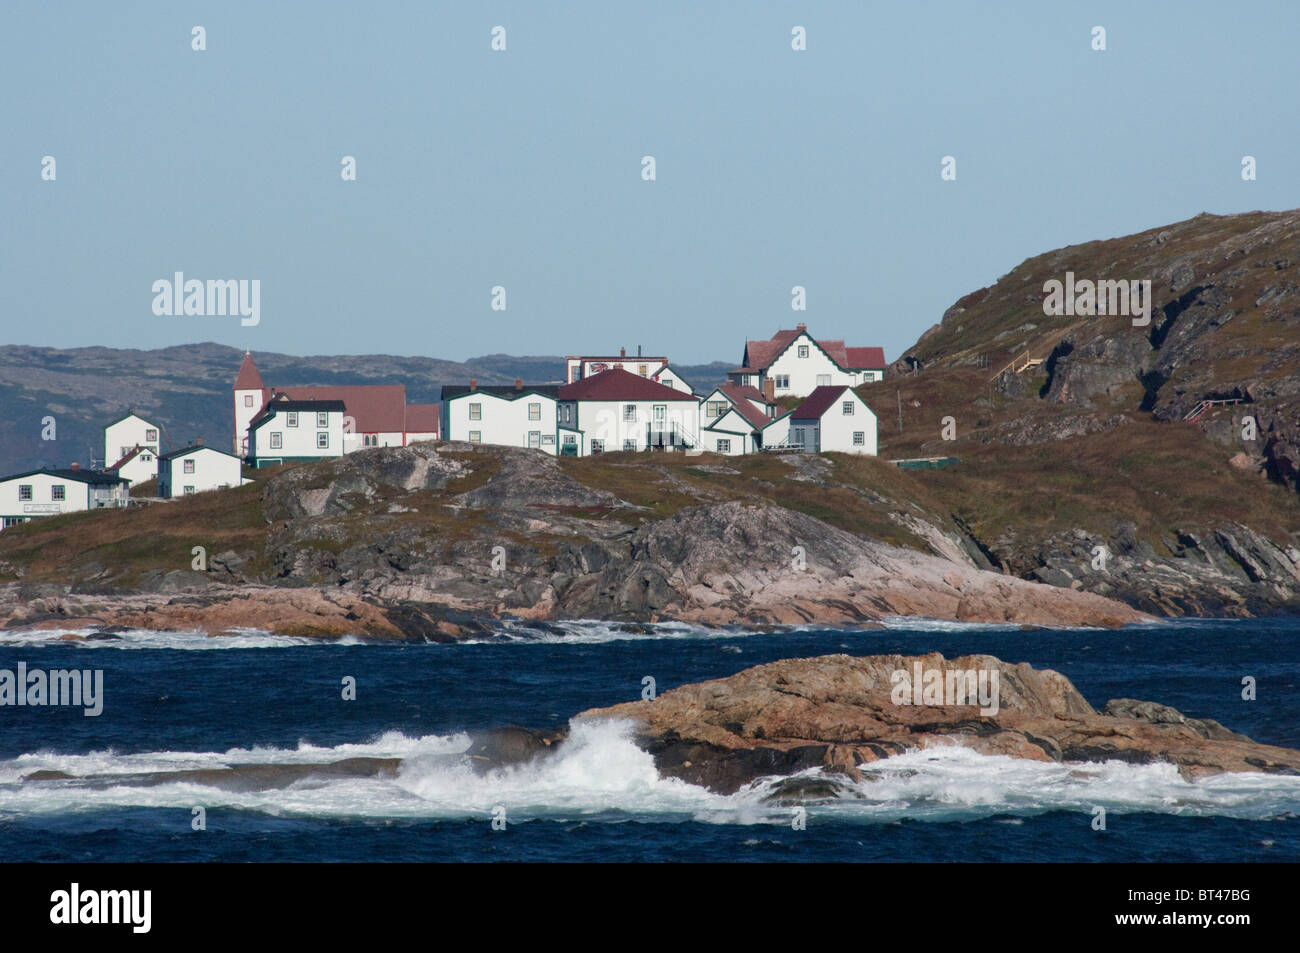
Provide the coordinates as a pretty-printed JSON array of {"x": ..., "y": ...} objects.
[
  {"x": 519, "y": 383},
  {"x": 74, "y": 465},
  {"x": 622, "y": 352},
  {"x": 801, "y": 327},
  {"x": 198, "y": 441},
  {"x": 769, "y": 390},
  {"x": 473, "y": 384}
]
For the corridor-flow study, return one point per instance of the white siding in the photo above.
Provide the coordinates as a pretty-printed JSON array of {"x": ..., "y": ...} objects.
[
  {"x": 805, "y": 373},
  {"x": 141, "y": 468},
  {"x": 608, "y": 423},
  {"x": 502, "y": 421},
  {"x": 298, "y": 442},
  {"x": 121, "y": 437},
  {"x": 212, "y": 470}
]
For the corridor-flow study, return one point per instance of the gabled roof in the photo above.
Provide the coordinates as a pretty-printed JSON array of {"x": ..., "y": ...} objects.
[
  {"x": 374, "y": 408},
  {"x": 753, "y": 416},
  {"x": 127, "y": 415},
  {"x": 760, "y": 354},
  {"x": 743, "y": 392},
  {"x": 669, "y": 367},
  {"x": 423, "y": 418},
  {"x": 741, "y": 422},
  {"x": 163, "y": 458},
  {"x": 248, "y": 377},
  {"x": 274, "y": 406},
  {"x": 504, "y": 391},
  {"x": 819, "y": 401},
  {"x": 617, "y": 384},
  {"x": 94, "y": 477}
]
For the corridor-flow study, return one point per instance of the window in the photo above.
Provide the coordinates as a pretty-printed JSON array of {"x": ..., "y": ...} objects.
[
  {"x": 58, "y": 492},
  {"x": 783, "y": 381},
  {"x": 642, "y": 370},
  {"x": 189, "y": 466},
  {"x": 660, "y": 414},
  {"x": 823, "y": 380},
  {"x": 629, "y": 445},
  {"x": 322, "y": 418},
  {"x": 534, "y": 411},
  {"x": 248, "y": 400},
  {"x": 277, "y": 440},
  {"x": 13, "y": 521},
  {"x": 323, "y": 440},
  {"x": 534, "y": 438},
  {"x": 570, "y": 439},
  {"x": 24, "y": 491},
  {"x": 803, "y": 350},
  {"x": 475, "y": 411},
  {"x": 548, "y": 440},
  {"x": 123, "y": 451},
  {"x": 715, "y": 408},
  {"x": 724, "y": 446},
  {"x": 476, "y": 436},
  {"x": 291, "y": 418},
  {"x": 188, "y": 490},
  {"x": 151, "y": 435},
  {"x": 597, "y": 446},
  {"x": 859, "y": 438},
  {"x": 370, "y": 440},
  {"x": 629, "y": 413},
  {"x": 846, "y": 408}
]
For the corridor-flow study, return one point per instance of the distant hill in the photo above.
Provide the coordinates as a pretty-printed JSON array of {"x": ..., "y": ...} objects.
[{"x": 186, "y": 389}]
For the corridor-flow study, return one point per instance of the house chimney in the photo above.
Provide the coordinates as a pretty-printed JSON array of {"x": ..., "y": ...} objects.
[
  {"x": 638, "y": 350},
  {"x": 622, "y": 352},
  {"x": 74, "y": 465},
  {"x": 473, "y": 384},
  {"x": 198, "y": 441},
  {"x": 769, "y": 390},
  {"x": 801, "y": 327},
  {"x": 519, "y": 383}
]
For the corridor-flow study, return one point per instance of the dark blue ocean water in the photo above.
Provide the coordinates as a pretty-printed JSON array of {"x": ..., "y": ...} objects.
[{"x": 174, "y": 708}]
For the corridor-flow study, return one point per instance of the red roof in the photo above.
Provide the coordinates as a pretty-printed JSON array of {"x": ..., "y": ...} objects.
[
  {"x": 759, "y": 354},
  {"x": 374, "y": 408},
  {"x": 755, "y": 417},
  {"x": 422, "y": 418},
  {"x": 248, "y": 378},
  {"x": 818, "y": 402},
  {"x": 739, "y": 392},
  {"x": 617, "y": 384},
  {"x": 128, "y": 458},
  {"x": 864, "y": 358}
]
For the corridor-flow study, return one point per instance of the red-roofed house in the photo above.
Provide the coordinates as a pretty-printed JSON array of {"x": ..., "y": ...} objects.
[
  {"x": 376, "y": 415},
  {"x": 793, "y": 363},
  {"x": 655, "y": 368},
  {"x": 619, "y": 410},
  {"x": 833, "y": 419}
]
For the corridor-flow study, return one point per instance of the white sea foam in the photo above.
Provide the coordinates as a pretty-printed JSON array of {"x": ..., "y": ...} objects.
[
  {"x": 599, "y": 774},
  {"x": 240, "y": 638}
]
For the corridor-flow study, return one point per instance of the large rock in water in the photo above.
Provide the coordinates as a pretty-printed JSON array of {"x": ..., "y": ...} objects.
[{"x": 839, "y": 712}]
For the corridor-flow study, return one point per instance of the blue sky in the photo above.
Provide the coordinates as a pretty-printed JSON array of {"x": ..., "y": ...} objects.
[{"x": 522, "y": 168}]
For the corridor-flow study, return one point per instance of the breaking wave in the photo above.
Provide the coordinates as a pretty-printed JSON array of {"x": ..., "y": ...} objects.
[{"x": 599, "y": 774}]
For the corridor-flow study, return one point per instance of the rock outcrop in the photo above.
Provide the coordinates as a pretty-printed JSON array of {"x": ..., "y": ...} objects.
[{"x": 840, "y": 713}]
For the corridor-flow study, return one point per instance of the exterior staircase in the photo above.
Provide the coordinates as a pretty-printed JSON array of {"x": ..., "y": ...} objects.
[
  {"x": 1021, "y": 362},
  {"x": 1196, "y": 412}
]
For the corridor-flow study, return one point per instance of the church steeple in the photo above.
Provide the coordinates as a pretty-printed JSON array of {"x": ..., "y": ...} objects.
[{"x": 248, "y": 377}]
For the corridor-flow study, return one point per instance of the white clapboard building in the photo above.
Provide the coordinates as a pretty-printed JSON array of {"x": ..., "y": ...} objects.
[
  {"x": 652, "y": 368},
  {"x": 48, "y": 492},
  {"x": 618, "y": 410},
  {"x": 195, "y": 469},
  {"x": 833, "y": 419},
  {"x": 792, "y": 363},
  {"x": 125, "y": 434},
  {"x": 287, "y": 431},
  {"x": 522, "y": 415}
]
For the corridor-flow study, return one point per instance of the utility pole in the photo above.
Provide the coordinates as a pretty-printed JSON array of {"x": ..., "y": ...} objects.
[{"x": 900, "y": 410}]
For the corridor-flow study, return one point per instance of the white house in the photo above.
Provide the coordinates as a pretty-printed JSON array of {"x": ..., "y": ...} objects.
[
  {"x": 126, "y": 433},
  {"x": 295, "y": 430},
  {"x": 518, "y": 416},
  {"x": 793, "y": 363},
  {"x": 619, "y": 410},
  {"x": 377, "y": 414},
  {"x": 138, "y": 466},
  {"x": 45, "y": 492},
  {"x": 652, "y": 368},
  {"x": 833, "y": 419},
  {"x": 195, "y": 469}
]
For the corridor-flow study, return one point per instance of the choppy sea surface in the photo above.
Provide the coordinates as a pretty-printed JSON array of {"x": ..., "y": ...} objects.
[{"x": 183, "y": 702}]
